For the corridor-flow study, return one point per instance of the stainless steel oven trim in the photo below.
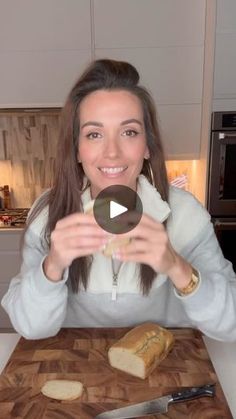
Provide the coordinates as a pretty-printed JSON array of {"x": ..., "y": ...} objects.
[
  {"x": 225, "y": 225},
  {"x": 227, "y": 137},
  {"x": 216, "y": 121}
]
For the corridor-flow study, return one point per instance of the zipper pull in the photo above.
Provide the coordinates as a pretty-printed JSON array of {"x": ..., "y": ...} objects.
[{"x": 114, "y": 287}]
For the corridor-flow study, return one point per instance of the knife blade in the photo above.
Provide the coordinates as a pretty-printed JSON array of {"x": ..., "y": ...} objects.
[{"x": 159, "y": 405}]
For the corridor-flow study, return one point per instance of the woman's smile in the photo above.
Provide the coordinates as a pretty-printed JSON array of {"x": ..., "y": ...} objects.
[{"x": 113, "y": 171}]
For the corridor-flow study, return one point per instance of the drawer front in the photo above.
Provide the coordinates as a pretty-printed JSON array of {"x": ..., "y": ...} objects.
[
  {"x": 10, "y": 240},
  {"x": 4, "y": 319},
  {"x": 10, "y": 263}
]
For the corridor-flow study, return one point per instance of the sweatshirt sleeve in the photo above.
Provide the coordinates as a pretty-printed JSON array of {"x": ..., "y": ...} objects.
[
  {"x": 36, "y": 306},
  {"x": 212, "y": 308}
]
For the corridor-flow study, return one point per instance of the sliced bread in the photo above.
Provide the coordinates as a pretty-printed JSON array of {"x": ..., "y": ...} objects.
[{"x": 62, "y": 389}]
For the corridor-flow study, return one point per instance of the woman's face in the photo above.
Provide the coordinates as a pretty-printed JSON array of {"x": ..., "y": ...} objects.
[{"x": 112, "y": 139}]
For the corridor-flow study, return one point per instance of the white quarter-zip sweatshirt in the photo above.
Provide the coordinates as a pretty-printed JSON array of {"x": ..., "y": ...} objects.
[{"x": 38, "y": 308}]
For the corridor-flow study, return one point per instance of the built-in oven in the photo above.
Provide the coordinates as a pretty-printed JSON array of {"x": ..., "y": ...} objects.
[
  {"x": 225, "y": 229},
  {"x": 222, "y": 169},
  {"x": 221, "y": 196}
]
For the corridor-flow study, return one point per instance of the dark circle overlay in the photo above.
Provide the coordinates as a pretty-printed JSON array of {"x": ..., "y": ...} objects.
[{"x": 122, "y": 195}]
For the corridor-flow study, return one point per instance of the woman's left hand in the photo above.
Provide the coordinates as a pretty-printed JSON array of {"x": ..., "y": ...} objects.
[{"x": 150, "y": 245}]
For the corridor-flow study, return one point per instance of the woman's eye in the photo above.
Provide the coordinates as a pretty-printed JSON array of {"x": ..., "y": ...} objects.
[
  {"x": 93, "y": 135},
  {"x": 130, "y": 132}
]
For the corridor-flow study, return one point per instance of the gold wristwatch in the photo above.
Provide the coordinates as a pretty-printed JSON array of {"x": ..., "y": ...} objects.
[{"x": 192, "y": 285}]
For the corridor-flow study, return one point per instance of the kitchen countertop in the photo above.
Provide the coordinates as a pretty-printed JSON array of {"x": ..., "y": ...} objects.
[
  {"x": 223, "y": 357},
  {"x": 10, "y": 229}
]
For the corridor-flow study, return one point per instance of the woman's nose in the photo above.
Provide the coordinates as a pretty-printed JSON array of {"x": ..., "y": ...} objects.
[{"x": 111, "y": 147}]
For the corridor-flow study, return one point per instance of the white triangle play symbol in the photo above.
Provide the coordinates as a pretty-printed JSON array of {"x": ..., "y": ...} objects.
[{"x": 116, "y": 209}]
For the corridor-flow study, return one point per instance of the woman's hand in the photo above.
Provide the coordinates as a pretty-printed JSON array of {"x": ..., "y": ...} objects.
[
  {"x": 74, "y": 236},
  {"x": 150, "y": 245}
]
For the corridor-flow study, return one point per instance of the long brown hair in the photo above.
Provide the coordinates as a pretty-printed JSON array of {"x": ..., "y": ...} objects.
[{"x": 65, "y": 196}]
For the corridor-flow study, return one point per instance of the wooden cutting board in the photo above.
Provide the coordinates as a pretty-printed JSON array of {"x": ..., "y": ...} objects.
[{"x": 81, "y": 354}]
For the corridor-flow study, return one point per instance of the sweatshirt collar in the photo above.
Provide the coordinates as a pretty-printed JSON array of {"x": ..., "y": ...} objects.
[{"x": 153, "y": 204}]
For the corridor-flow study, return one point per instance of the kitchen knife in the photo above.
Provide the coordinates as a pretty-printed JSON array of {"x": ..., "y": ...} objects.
[{"x": 159, "y": 405}]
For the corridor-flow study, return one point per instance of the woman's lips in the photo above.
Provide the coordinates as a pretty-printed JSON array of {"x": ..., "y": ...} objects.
[{"x": 112, "y": 171}]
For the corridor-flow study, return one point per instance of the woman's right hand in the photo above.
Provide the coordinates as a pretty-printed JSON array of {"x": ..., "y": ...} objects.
[{"x": 74, "y": 236}]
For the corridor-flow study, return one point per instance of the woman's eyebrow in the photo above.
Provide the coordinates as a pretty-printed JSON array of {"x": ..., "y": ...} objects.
[
  {"x": 99, "y": 124},
  {"x": 130, "y": 121},
  {"x": 93, "y": 123}
]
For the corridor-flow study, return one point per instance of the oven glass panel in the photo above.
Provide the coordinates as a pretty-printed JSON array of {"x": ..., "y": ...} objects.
[
  {"x": 227, "y": 187},
  {"x": 227, "y": 240}
]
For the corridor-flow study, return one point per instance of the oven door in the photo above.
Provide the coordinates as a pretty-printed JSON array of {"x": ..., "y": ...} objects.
[
  {"x": 225, "y": 230},
  {"x": 222, "y": 175}
]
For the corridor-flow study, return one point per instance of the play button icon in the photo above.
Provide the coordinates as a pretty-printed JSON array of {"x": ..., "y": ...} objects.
[{"x": 118, "y": 209}]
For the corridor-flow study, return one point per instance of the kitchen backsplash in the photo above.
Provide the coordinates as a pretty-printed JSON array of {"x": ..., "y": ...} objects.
[{"x": 28, "y": 140}]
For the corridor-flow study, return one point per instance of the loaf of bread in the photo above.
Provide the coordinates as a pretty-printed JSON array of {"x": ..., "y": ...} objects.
[
  {"x": 140, "y": 350},
  {"x": 115, "y": 242},
  {"x": 62, "y": 389}
]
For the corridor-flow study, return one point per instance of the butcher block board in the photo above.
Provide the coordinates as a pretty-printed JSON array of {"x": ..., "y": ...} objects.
[{"x": 81, "y": 354}]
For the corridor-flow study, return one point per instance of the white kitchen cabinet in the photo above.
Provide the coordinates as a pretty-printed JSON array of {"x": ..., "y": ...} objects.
[
  {"x": 44, "y": 46},
  {"x": 10, "y": 261},
  {"x": 165, "y": 41},
  {"x": 45, "y": 26},
  {"x": 224, "y": 96},
  {"x": 149, "y": 23},
  {"x": 44, "y": 78},
  {"x": 225, "y": 66},
  {"x": 173, "y": 75},
  {"x": 180, "y": 127}
]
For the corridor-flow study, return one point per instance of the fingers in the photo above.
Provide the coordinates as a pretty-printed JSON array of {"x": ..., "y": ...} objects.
[
  {"x": 149, "y": 245},
  {"x": 74, "y": 219},
  {"x": 81, "y": 242},
  {"x": 147, "y": 229},
  {"x": 85, "y": 251},
  {"x": 81, "y": 230},
  {"x": 133, "y": 255},
  {"x": 74, "y": 236}
]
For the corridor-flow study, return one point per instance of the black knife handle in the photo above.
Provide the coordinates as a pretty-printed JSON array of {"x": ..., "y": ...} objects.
[{"x": 193, "y": 392}]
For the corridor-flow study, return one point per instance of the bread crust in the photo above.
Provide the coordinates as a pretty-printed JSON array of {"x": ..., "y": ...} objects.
[{"x": 147, "y": 345}]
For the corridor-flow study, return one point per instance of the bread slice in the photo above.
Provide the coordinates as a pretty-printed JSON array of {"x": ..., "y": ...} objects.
[
  {"x": 140, "y": 350},
  {"x": 115, "y": 242},
  {"x": 62, "y": 389},
  {"x": 88, "y": 208}
]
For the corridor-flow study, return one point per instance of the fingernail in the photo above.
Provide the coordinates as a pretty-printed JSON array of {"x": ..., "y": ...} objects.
[
  {"x": 103, "y": 246},
  {"x": 116, "y": 255}
]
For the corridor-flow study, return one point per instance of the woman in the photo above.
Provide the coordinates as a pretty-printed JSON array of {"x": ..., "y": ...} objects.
[{"x": 171, "y": 272}]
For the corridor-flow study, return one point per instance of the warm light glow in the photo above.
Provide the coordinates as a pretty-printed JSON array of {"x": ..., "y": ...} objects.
[
  {"x": 189, "y": 168},
  {"x": 5, "y": 172}
]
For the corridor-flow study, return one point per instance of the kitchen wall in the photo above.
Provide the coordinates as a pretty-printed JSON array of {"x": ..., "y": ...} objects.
[
  {"x": 28, "y": 141},
  {"x": 169, "y": 42},
  {"x": 224, "y": 95},
  {"x": 165, "y": 40},
  {"x": 26, "y": 188},
  {"x": 182, "y": 174}
]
